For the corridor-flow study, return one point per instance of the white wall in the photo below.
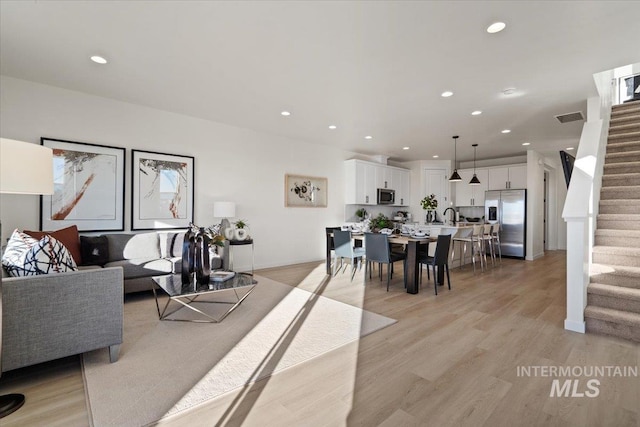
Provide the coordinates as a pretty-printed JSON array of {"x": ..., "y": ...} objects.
[
  {"x": 535, "y": 205},
  {"x": 231, "y": 163}
]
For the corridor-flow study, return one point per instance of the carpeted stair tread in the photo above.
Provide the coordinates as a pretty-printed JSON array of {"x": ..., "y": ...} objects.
[
  {"x": 625, "y": 144},
  {"x": 624, "y": 119},
  {"x": 612, "y": 315},
  {"x": 614, "y": 291},
  {"x": 617, "y": 250},
  {"x": 622, "y": 157},
  {"x": 620, "y": 192},
  {"x": 614, "y": 297},
  {"x": 616, "y": 255},
  {"x": 621, "y": 179},
  {"x": 618, "y": 275},
  {"x": 624, "y": 124},
  {"x": 626, "y": 108},
  {"x": 620, "y": 206},
  {"x": 621, "y": 168},
  {"x": 613, "y": 237},
  {"x": 620, "y": 217}
]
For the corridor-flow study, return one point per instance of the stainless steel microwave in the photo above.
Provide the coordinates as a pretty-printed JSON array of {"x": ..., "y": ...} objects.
[{"x": 386, "y": 196}]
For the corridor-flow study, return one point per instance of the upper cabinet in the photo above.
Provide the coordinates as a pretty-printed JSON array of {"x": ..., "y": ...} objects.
[
  {"x": 507, "y": 177},
  {"x": 400, "y": 180},
  {"x": 362, "y": 180},
  {"x": 471, "y": 195}
]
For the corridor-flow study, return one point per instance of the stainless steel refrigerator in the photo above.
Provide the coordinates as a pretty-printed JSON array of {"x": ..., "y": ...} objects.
[{"x": 509, "y": 209}]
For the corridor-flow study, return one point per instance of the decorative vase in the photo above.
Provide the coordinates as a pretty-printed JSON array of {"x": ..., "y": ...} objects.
[
  {"x": 229, "y": 233},
  {"x": 241, "y": 234},
  {"x": 430, "y": 216}
]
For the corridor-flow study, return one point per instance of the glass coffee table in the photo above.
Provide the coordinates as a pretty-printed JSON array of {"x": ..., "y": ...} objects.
[{"x": 240, "y": 286}]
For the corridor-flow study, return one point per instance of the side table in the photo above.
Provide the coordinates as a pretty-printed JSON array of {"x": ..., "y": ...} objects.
[{"x": 233, "y": 244}]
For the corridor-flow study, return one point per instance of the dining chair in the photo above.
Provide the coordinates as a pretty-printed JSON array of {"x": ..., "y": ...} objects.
[
  {"x": 331, "y": 246},
  {"x": 377, "y": 250},
  {"x": 344, "y": 249},
  {"x": 440, "y": 259}
]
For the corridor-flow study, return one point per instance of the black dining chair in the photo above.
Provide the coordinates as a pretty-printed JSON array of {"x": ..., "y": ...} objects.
[
  {"x": 439, "y": 259},
  {"x": 377, "y": 250}
]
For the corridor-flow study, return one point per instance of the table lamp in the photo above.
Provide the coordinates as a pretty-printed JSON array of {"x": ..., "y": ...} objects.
[
  {"x": 25, "y": 168},
  {"x": 224, "y": 210}
]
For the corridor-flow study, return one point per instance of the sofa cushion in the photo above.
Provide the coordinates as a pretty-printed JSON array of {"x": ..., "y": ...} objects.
[
  {"x": 143, "y": 267},
  {"x": 68, "y": 236},
  {"x": 171, "y": 244},
  {"x": 47, "y": 256},
  {"x": 17, "y": 247},
  {"x": 95, "y": 250},
  {"x": 133, "y": 246}
]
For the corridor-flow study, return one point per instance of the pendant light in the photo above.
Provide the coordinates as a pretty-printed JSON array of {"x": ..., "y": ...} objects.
[
  {"x": 455, "y": 176},
  {"x": 474, "y": 180}
]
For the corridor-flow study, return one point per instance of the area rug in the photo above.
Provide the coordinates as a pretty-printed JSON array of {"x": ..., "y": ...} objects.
[{"x": 169, "y": 367}]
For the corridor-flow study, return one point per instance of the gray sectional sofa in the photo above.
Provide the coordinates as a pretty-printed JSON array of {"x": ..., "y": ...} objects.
[
  {"x": 50, "y": 316},
  {"x": 144, "y": 255},
  {"x": 57, "y": 315}
]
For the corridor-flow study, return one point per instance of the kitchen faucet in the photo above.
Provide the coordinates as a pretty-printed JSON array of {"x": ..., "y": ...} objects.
[{"x": 444, "y": 214}]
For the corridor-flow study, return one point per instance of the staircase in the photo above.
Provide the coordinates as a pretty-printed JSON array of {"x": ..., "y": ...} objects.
[{"x": 613, "y": 296}]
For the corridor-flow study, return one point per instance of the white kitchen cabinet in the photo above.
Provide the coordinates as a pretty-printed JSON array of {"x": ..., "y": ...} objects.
[
  {"x": 360, "y": 181},
  {"x": 507, "y": 177},
  {"x": 400, "y": 183},
  {"x": 471, "y": 195}
]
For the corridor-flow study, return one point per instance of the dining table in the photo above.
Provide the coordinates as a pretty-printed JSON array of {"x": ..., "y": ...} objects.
[{"x": 412, "y": 244}]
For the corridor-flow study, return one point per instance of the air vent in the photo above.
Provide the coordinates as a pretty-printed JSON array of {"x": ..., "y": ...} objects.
[{"x": 570, "y": 117}]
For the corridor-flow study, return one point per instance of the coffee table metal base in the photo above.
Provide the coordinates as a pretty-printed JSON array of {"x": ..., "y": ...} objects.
[{"x": 186, "y": 301}]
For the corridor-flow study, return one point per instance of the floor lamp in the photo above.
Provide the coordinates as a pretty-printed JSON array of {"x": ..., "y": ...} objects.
[{"x": 25, "y": 168}]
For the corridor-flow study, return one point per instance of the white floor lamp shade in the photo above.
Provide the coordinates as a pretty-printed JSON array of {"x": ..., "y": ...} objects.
[{"x": 25, "y": 168}]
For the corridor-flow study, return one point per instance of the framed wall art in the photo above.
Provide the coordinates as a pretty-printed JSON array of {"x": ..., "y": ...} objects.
[
  {"x": 162, "y": 190},
  {"x": 88, "y": 187},
  {"x": 305, "y": 191}
]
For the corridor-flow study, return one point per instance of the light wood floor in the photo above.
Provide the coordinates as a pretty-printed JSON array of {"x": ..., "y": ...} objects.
[{"x": 450, "y": 359}]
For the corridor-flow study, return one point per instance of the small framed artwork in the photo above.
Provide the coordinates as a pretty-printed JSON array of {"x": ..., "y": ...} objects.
[
  {"x": 305, "y": 191},
  {"x": 162, "y": 190},
  {"x": 88, "y": 187}
]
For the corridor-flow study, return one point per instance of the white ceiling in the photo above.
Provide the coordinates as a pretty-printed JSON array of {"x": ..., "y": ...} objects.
[{"x": 371, "y": 68}]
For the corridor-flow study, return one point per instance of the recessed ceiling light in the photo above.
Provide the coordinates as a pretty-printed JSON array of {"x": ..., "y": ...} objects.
[
  {"x": 569, "y": 148},
  {"x": 509, "y": 91},
  {"x": 98, "y": 59},
  {"x": 447, "y": 94},
  {"x": 496, "y": 27},
  {"x": 405, "y": 148},
  {"x": 333, "y": 127},
  {"x": 526, "y": 143},
  {"x": 368, "y": 137},
  {"x": 476, "y": 113},
  {"x": 506, "y": 131},
  {"x": 436, "y": 156},
  {"x": 285, "y": 113}
]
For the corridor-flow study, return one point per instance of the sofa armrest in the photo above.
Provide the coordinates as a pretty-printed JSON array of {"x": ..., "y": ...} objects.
[{"x": 51, "y": 316}]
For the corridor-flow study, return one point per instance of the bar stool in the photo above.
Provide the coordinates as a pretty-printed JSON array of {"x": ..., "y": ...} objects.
[
  {"x": 463, "y": 237},
  {"x": 487, "y": 240},
  {"x": 477, "y": 243},
  {"x": 495, "y": 236}
]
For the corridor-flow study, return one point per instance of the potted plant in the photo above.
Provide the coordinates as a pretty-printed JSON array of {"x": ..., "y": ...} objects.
[
  {"x": 241, "y": 232},
  {"x": 429, "y": 204},
  {"x": 380, "y": 222},
  {"x": 361, "y": 213}
]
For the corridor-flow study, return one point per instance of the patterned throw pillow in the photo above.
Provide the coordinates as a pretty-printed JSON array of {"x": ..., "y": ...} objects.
[
  {"x": 17, "y": 247},
  {"x": 48, "y": 256}
]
